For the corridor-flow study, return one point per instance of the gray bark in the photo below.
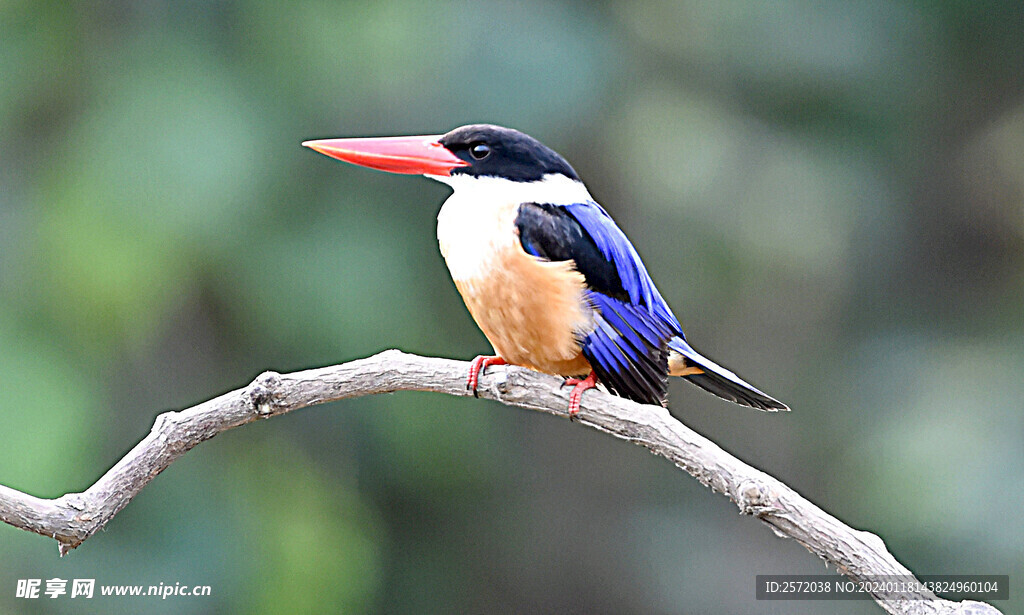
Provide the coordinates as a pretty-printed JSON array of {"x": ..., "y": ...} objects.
[{"x": 74, "y": 517}]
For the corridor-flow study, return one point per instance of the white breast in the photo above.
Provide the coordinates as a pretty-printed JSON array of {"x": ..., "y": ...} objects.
[
  {"x": 478, "y": 219},
  {"x": 472, "y": 232}
]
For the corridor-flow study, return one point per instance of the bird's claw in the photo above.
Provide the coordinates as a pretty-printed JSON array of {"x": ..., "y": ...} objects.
[
  {"x": 477, "y": 367},
  {"x": 580, "y": 386}
]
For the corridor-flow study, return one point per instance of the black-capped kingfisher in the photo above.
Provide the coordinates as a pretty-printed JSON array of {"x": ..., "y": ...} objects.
[{"x": 546, "y": 273}]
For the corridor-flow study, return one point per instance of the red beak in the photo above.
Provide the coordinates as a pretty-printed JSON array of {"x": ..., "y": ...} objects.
[{"x": 422, "y": 155}]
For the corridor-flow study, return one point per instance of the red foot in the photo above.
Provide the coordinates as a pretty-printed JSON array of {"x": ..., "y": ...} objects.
[
  {"x": 577, "y": 392},
  {"x": 478, "y": 366}
]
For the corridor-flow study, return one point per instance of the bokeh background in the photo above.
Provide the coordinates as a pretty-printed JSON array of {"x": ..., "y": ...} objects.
[{"x": 831, "y": 196}]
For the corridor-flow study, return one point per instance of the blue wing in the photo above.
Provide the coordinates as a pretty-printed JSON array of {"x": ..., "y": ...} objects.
[
  {"x": 628, "y": 348},
  {"x": 635, "y": 330},
  {"x": 615, "y": 247}
]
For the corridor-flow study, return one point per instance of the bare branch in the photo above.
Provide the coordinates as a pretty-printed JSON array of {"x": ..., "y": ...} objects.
[{"x": 74, "y": 517}]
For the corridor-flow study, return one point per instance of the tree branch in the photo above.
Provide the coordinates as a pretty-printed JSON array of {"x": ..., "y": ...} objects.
[{"x": 74, "y": 517}]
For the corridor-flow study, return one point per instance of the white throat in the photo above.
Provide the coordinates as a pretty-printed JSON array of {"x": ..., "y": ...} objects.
[
  {"x": 553, "y": 189},
  {"x": 477, "y": 221}
]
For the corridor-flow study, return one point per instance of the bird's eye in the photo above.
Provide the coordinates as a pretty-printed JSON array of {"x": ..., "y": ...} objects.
[{"x": 479, "y": 151}]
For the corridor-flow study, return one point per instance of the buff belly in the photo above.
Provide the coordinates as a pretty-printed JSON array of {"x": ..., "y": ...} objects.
[{"x": 532, "y": 311}]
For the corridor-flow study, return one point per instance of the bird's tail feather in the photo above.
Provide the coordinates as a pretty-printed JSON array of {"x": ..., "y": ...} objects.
[{"x": 686, "y": 362}]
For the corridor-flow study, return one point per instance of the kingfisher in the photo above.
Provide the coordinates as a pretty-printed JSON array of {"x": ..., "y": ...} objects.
[{"x": 545, "y": 272}]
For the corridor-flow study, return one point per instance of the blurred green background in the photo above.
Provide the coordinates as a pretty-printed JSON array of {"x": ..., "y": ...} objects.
[{"x": 831, "y": 196}]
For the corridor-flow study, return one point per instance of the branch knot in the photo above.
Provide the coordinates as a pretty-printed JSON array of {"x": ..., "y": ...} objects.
[
  {"x": 263, "y": 394},
  {"x": 756, "y": 497}
]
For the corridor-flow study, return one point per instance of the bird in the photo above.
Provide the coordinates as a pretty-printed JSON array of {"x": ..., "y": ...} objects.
[{"x": 548, "y": 276}]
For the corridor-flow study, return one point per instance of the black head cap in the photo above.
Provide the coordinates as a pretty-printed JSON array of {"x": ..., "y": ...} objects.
[{"x": 503, "y": 152}]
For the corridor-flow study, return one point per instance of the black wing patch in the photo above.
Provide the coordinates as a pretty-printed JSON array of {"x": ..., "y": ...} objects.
[{"x": 551, "y": 233}]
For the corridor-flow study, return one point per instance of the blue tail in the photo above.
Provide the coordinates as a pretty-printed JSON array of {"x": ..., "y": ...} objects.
[{"x": 716, "y": 379}]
